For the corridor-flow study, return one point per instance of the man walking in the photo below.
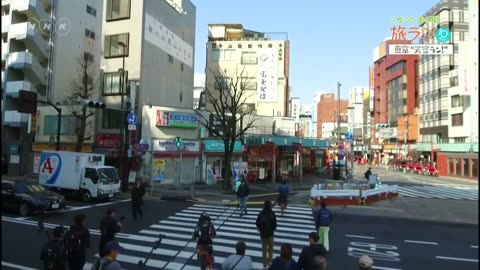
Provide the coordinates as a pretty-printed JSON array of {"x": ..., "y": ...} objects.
[
  {"x": 77, "y": 239},
  {"x": 242, "y": 195},
  {"x": 138, "y": 192},
  {"x": 109, "y": 261},
  {"x": 322, "y": 224},
  {"x": 306, "y": 258},
  {"x": 267, "y": 224},
  {"x": 54, "y": 254},
  {"x": 109, "y": 226}
]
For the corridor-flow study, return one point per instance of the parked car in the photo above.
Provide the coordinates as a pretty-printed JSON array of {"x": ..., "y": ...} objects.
[{"x": 28, "y": 198}]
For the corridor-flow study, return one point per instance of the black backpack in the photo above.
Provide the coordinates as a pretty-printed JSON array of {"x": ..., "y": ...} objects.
[
  {"x": 52, "y": 254},
  {"x": 74, "y": 241},
  {"x": 101, "y": 266}
]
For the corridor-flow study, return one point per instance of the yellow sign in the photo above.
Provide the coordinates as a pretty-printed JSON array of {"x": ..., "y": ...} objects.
[
  {"x": 389, "y": 146},
  {"x": 34, "y": 122},
  {"x": 382, "y": 51},
  {"x": 40, "y": 147},
  {"x": 371, "y": 78}
]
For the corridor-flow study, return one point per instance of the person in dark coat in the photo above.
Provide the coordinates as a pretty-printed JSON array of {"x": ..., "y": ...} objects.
[
  {"x": 138, "y": 192},
  {"x": 306, "y": 258},
  {"x": 285, "y": 260},
  {"x": 77, "y": 239},
  {"x": 267, "y": 224},
  {"x": 242, "y": 195},
  {"x": 109, "y": 226},
  {"x": 54, "y": 253}
]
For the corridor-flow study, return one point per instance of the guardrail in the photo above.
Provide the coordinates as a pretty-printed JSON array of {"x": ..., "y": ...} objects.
[{"x": 352, "y": 196}]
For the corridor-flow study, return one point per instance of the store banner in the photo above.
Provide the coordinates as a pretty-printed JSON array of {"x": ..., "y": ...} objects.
[
  {"x": 158, "y": 169},
  {"x": 219, "y": 146}
]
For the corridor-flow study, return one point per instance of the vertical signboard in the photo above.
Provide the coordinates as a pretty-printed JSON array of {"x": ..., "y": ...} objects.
[
  {"x": 372, "y": 105},
  {"x": 267, "y": 80},
  {"x": 463, "y": 68},
  {"x": 371, "y": 76},
  {"x": 295, "y": 109}
]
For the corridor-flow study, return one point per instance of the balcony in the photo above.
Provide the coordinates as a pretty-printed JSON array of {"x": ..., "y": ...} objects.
[
  {"x": 14, "y": 118},
  {"x": 30, "y": 65},
  {"x": 32, "y": 38},
  {"x": 4, "y": 51},
  {"x": 13, "y": 88},
  {"x": 32, "y": 8},
  {"x": 6, "y": 20}
]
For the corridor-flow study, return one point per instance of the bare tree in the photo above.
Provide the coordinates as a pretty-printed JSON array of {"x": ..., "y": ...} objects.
[
  {"x": 227, "y": 102},
  {"x": 83, "y": 87}
]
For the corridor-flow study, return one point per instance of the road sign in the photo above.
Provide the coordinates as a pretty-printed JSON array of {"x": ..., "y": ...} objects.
[
  {"x": 132, "y": 127},
  {"x": 349, "y": 136},
  {"x": 144, "y": 146},
  {"x": 347, "y": 147},
  {"x": 132, "y": 119}
]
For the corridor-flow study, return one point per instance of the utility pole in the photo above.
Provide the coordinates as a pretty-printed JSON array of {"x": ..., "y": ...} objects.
[
  {"x": 338, "y": 114},
  {"x": 406, "y": 136}
]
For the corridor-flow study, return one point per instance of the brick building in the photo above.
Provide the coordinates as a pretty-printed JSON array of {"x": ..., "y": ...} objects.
[{"x": 327, "y": 109}]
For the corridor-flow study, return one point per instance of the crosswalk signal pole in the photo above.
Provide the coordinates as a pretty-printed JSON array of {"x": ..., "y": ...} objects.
[{"x": 178, "y": 144}]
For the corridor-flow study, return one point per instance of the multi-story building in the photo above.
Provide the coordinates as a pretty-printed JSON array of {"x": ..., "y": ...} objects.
[
  {"x": 443, "y": 111},
  {"x": 355, "y": 112},
  {"x": 198, "y": 87},
  {"x": 44, "y": 59},
  {"x": 260, "y": 60},
  {"x": 305, "y": 121},
  {"x": 395, "y": 90},
  {"x": 327, "y": 112}
]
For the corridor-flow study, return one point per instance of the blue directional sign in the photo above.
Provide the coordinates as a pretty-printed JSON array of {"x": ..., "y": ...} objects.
[
  {"x": 348, "y": 136},
  {"x": 132, "y": 119}
]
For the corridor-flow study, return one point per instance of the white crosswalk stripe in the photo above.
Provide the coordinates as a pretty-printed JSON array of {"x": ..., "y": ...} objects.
[
  {"x": 439, "y": 192},
  {"x": 177, "y": 251}
]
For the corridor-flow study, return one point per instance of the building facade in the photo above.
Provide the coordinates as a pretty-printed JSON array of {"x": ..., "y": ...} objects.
[
  {"x": 45, "y": 61},
  {"x": 327, "y": 110},
  {"x": 198, "y": 87},
  {"x": 259, "y": 60}
]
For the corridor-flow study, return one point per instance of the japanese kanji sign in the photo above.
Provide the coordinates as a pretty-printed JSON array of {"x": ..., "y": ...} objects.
[
  {"x": 420, "y": 49},
  {"x": 267, "y": 80},
  {"x": 464, "y": 69}
]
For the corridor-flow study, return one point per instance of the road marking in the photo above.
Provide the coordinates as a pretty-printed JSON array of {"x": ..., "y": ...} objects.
[
  {"x": 359, "y": 236},
  {"x": 456, "y": 259},
  {"x": 420, "y": 242},
  {"x": 76, "y": 208},
  {"x": 385, "y": 268},
  {"x": 16, "y": 266},
  {"x": 474, "y": 246}
]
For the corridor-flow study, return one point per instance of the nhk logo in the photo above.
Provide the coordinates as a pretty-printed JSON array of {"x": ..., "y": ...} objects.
[{"x": 47, "y": 26}]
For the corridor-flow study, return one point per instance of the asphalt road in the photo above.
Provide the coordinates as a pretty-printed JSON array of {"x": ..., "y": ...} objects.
[{"x": 394, "y": 243}]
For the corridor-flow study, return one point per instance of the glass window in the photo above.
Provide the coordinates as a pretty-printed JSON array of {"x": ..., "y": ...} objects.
[
  {"x": 118, "y": 9},
  {"x": 457, "y": 119},
  {"x": 111, "y": 83},
  {"x": 112, "y": 119},
  {"x": 215, "y": 54},
  {"x": 474, "y": 167},
  {"x": 457, "y": 167},
  {"x": 92, "y": 11},
  {"x": 466, "y": 172},
  {"x": 113, "y": 47},
  {"x": 457, "y": 101},
  {"x": 249, "y": 83},
  {"x": 68, "y": 126},
  {"x": 450, "y": 166},
  {"x": 91, "y": 174},
  {"x": 249, "y": 58}
]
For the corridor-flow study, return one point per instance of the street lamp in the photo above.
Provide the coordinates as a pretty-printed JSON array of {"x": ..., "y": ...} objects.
[{"x": 352, "y": 152}]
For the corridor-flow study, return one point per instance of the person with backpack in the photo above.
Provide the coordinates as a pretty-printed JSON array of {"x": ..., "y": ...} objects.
[
  {"x": 109, "y": 261},
  {"x": 54, "y": 254},
  {"x": 267, "y": 224},
  {"x": 109, "y": 226},
  {"x": 204, "y": 232},
  {"x": 238, "y": 261},
  {"x": 322, "y": 224},
  {"x": 285, "y": 260},
  {"x": 138, "y": 191},
  {"x": 77, "y": 239},
  {"x": 308, "y": 254},
  {"x": 242, "y": 195}
]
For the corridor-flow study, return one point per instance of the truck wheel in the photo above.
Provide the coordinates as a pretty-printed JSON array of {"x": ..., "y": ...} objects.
[
  {"x": 86, "y": 196},
  {"x": 24, "y": 209}
]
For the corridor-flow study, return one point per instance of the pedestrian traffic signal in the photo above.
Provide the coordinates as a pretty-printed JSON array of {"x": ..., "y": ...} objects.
[
  {"x": 178, "y": 142},
  {"x": 27, "y": 102},
  {"x": 93, "y": 104},
  {"x": 382, "y": 126}
]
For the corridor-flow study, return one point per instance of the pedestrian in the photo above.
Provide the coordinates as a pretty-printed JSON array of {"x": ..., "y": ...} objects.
[
  {"x": 322, "y": 224},
  {"x": 109, "y": 261},
  {"x": 285, "y": 260},
  {"x": 242, "y": 196},
  {"x": 365, "y": 262},
  {"x": 138, "y": 191},
  {"x": 309, "y": 253},
  {"x": 109, "y": 226},
  {"x": 319, "y": 263},
  {"x": 54, "y": 254},
  {"x": 368, "y": 173},
  {"x": 77, "y": 239},
  {"x": 204, "y": 232},
  {"x": 267, "y": 224},
  {"x": 238, "y": 261}
]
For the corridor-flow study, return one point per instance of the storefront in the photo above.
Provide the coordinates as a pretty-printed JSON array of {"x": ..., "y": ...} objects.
[
  {"x": 458, "y": 165},
  {"x": 170, "y": 166},
  {"x": 109, "y": 145},
  {"x": 259, "y": 158},
  {"x": 214, "y": 157},
  {"x": 389, "y": 152}
]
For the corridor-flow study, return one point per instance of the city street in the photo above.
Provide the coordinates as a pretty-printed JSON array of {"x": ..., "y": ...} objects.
[{"x": 394, "y": 243}]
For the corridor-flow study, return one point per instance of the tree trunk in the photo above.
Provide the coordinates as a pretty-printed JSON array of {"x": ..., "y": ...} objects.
[
  {"x": 228, "y": 171},
  {"x": 81, "y": 132}
]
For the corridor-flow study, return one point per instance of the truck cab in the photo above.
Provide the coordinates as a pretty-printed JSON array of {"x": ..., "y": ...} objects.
[{"x": 100, "y": 182}]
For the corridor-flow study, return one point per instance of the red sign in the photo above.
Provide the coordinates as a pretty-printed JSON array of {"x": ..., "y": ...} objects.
[{"x": 108, "y": 141}]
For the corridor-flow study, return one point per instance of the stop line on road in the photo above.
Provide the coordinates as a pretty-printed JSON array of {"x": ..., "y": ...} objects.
[
  {"x": 177, "y": 251},
  {"x": 439, "y": 192}
]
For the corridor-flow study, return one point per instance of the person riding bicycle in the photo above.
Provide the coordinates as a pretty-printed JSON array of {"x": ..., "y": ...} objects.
[
  {"x": 204, "y": 232},
  {"x": 283, "y": 191}
]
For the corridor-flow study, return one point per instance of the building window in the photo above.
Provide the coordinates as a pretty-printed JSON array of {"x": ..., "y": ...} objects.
[
  {"x": 92, "y": 11},
  {"x": 170, "y": 58},
  {"x": 118, "y": 10},
  {"x": 453, "y": 81},
  {"x": 461, "y": 36},
  {"x": 112, "y": 46},
  {"x": 249, "y": 58},
  {"x": 239, "y": 46},
  {"x": 111, "y": 119},
  {"x": 111, "y": 83},
  {"x": 270, "y": 45},
  {"x": 457, "y": 101},
  {"x": 68, "y": 126},
  {"x": 181, "y": 97},
  {"x": 89, "y": 33},
  {"x": 215, "y": 54},
  {"x": 181, "y": 66},
  {"x": 248, "y": 83},
  {"x": 222, "y": 83},
  {"x": 88, "y": 57},
  {"x": 457, "y": 119}
]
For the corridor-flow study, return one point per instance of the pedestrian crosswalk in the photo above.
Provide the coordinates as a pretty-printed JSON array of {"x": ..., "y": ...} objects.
[
  {"x": 177, "y": 251},
  {"x": 439, "y": 192}
]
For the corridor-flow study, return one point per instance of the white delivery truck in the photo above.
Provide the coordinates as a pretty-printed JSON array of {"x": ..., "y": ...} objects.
[{"x": 83, "y": 173}]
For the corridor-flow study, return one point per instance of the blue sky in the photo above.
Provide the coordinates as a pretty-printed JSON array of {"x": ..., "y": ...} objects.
[{"x": 330, "y": 43}]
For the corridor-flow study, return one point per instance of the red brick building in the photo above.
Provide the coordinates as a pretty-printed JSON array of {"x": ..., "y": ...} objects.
[
  {"x": 327, "y": 109},
  {"x": 396, "y": 89}
]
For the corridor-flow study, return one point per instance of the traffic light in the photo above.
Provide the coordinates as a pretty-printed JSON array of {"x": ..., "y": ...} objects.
[
  {"x": 93, "y": 104},
  {"x": 382, "y": 126},
  {"x": 178, "y": 142},
  {"x": 28, "y": 102}
]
